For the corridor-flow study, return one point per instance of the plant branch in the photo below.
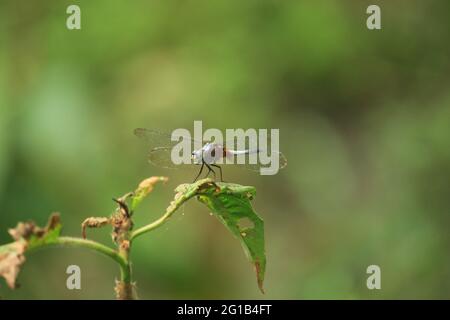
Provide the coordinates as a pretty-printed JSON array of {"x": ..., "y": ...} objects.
[
  {"x": 184, "y": 193},
  {"x": 151, "y": 226},
  {"x": 159, "y": 222},
  {"x": 229, "y": 202},
  {"x": 89, "y": 244}
]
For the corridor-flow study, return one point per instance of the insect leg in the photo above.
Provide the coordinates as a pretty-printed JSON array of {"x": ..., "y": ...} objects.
[
  {"x": 220, "y": 169},
  {"x": 210, "y": 170},
  {"x": 201, "y": 169}
]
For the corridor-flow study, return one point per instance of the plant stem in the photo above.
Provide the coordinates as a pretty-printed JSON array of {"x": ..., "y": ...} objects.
[
  {"x": 180, "y": 198},
  {"x": 125, "y": 288},
  {"x": 96, "y": 246},
  {"x": 125, "y": 273},
  {"x": 151, "y": 226},
  {"x": 184, "y": 193}
]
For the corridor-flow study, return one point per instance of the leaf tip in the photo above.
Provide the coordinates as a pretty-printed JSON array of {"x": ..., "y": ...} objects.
[{"x": 259, "y": 276}]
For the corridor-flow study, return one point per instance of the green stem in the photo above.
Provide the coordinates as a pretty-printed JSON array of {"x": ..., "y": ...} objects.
[
  {"x": 181, "y": 198},
  {"x": 125, "y": 274},
  {"x": 125, "y": 288},
  {"x": 151, "y": 226},
  {"x": 100, "y": 248}
]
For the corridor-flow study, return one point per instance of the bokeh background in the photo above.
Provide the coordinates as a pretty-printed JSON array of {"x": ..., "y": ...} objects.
[{"x": 363, "y": 118}]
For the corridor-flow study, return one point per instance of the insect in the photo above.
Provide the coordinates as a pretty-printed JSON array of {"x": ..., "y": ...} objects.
[{"x": 209, "y": 155}]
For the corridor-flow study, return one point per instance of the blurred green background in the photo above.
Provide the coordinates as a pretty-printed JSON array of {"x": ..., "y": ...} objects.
[{"x": 363, "y": 118}]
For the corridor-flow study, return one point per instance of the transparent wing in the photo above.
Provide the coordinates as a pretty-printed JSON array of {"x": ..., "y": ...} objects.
[
  {"x": 160, "y": 156},
  {"x": 160, "y": 146},
  {"x": 156, "y": 138}
]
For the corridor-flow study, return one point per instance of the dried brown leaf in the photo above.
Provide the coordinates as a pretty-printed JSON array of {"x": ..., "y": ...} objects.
[
  {"x": 94, "y": 222},
  {"x": 145, "y": 187},
  {"x": 26, "y": 235},
  {"x": 11, "y": 259}
]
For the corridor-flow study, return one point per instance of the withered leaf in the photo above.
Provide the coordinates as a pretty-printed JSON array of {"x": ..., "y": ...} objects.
[
  {"x": 145, "y": 187},
  {"x": 27, "y": 236},
  {"x": 94, "y": 222},
  {"x": 11, "y": 259}
]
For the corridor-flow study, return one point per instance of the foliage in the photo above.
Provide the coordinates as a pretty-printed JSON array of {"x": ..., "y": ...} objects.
[{"x": 229, "y": 202}]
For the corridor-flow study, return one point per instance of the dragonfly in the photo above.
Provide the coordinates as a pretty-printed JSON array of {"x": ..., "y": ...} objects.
[{"x": 160, "y": 148}]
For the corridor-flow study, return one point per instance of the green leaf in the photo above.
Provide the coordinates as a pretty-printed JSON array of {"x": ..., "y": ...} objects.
[
  {"x": 49, "y": 237},
  {"x": 230, "y": 203}
]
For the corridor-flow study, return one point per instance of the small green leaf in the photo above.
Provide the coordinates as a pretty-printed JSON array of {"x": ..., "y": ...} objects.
[
  {"x": 230, "y": 203},
  {"x": 49, "y": 237}
]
